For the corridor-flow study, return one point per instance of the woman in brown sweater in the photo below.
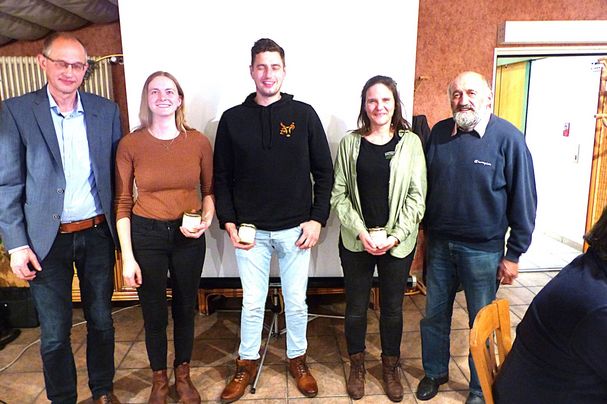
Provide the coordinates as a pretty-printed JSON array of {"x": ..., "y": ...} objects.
[{"x": 171, "y": 165}]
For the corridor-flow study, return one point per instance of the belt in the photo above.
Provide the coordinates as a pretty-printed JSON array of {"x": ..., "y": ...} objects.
[{"x": 80, "y": 225}]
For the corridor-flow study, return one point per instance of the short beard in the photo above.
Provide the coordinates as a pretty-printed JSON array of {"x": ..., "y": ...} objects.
[
  {"x": 467, "y": 120},
  {"x": 268, "y": 93}
]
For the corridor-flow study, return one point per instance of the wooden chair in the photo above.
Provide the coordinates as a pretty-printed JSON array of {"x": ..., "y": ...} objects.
[{"x": 491, "y": 327}]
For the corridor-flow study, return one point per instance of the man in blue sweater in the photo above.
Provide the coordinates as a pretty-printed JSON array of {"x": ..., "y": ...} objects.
[{"x": 480, "y": 183}]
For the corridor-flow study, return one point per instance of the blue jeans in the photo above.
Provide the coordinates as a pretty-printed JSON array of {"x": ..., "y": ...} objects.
[
  {"x": 159, "y": 246},
  {"x": 449, "y": 264},
  {"x": 254, "y": 270},
  {"x": 92, "y": 252}
]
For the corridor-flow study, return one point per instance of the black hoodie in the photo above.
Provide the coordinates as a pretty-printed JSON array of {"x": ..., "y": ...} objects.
[{"x": 262, "y": 163}]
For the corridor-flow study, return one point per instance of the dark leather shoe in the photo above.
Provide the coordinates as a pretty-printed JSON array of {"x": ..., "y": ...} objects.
[
  {"x": 108, "y": 398},
  {"x": 7, "y": 336},
  {"x": 244, "y": 376},
  {"x": 428, "y": 387},
  {"x": 304, "y": 379},
  {"x": 474, "y": 399}
]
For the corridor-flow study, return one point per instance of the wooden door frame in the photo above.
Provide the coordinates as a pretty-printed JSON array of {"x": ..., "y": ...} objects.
[{"x": 597, "y": 197}]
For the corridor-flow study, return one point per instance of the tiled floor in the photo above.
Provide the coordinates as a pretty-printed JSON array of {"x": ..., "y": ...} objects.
[
  {"x": 216, "y": 347},
  {"x": 217, "y": 342},
  {"x": 546, "y": 253}
]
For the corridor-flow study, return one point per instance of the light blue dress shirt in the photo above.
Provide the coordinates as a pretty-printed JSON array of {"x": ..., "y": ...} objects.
[{"x": 81, "y": 200}]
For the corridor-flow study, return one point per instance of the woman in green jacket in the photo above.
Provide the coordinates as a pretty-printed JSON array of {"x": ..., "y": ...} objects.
[{"x": 378, "y": 195}]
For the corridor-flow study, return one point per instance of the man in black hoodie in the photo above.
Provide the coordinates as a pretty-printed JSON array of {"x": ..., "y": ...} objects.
[{"x": 265, "y": 150}]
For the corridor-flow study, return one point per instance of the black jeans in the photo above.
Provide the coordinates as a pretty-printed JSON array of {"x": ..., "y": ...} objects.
[
  {"x": 159, "y": 247},
  {"x": 393, "y": 272},
  {"x": 92, "y": 252}
]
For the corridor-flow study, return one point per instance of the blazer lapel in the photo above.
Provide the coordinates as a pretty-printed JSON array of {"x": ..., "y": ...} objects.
[
  {"x": 91, "y": 118},
  {"x": 42, "y": 112}
]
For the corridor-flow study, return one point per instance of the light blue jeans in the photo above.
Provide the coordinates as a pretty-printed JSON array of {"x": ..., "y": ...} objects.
[
  {"x": 448, "y": 264},
  {"x": 254, "y": 270}
]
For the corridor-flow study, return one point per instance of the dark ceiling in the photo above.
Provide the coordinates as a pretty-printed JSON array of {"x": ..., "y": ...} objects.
[{"x": 29, "y": 20}]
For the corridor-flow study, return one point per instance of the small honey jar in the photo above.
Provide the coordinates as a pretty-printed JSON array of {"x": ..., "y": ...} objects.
[
  {"x": 246, "y": 233},
  {"x": 378, "y": 235},
  {"x": 191, "y": 219}
]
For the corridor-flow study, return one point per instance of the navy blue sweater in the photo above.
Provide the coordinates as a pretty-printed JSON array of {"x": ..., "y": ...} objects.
[
  {"x": 263, "y": 159},
  {"x": 478, "y": 187},
  {"x": 559, "y": 353}
]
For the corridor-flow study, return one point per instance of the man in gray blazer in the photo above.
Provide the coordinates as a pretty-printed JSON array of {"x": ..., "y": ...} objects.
[{"x": 57, "y": 149}]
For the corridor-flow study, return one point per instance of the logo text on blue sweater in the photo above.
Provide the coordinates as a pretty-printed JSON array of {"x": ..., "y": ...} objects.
[{"x": 482, "y": 162}]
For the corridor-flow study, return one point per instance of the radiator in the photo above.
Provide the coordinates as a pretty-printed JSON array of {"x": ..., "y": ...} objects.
[{"x": 21, "y": 74}]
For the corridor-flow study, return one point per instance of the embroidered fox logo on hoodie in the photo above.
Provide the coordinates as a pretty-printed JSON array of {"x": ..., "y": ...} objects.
[{"x": 286, "y": 130}]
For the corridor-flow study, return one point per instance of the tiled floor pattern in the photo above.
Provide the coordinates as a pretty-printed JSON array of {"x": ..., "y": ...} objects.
[
  {"x": 217, "y": 343},
  {"x": 546, "y": 253}
]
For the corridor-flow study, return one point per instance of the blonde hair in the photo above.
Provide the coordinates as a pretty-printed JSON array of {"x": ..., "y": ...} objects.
[{"x": 145, "y": 115}]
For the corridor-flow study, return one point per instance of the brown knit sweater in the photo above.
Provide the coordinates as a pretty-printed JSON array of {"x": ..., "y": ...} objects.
[{"x": 170, "y": 175}]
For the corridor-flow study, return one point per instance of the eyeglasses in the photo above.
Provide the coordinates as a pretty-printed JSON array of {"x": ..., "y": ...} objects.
[{"x": 62, "y": 64}]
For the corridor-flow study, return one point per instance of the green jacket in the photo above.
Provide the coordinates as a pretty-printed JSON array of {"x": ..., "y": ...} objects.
[{"x": 407, "y": 192}]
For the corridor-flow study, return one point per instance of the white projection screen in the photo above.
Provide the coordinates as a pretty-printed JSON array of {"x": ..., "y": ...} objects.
[{"x": 331, "y": 49}]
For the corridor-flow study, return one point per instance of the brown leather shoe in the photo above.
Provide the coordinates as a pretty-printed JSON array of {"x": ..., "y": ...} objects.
[
  {"x": 245, "y": 375},
  {"x": 391, "y": 373},
  {"x": 183, "y": 384},
  {"x": 356, "y": 380},
  {"x": 108, "y": 398},
  {"x": 300, "y": 372},
  {"x": 160, "y": 387}
]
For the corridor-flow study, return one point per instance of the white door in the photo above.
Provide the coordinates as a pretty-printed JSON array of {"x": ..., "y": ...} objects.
[{"x": 563, "y": 95}]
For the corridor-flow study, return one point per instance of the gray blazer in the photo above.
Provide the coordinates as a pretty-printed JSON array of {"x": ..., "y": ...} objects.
[{"x": 32, "y": 181}]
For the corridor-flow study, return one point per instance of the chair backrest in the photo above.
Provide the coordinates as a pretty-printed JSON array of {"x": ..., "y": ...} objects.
[{"x": 491, "y": 327}]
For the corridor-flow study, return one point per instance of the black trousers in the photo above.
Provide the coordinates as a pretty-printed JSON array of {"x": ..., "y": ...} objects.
[
  {"x": 393, "y": 272},
  {"x": 159, "y": 247}
]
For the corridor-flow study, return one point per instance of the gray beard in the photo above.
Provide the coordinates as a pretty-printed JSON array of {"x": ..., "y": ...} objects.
[{"x": 467, "y": 120}]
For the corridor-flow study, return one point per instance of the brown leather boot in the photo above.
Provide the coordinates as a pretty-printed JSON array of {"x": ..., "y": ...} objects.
[
  {"x": 109, "y": 398},
  {"x": 356, "y": 380},
  {"x": 300, "y": 372},
  {"x": 160, "y": 387},
  {"x": 245, "y": 375},
  {"x": 183, "y": 384},
  {"x": 391, "y": 373}
]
